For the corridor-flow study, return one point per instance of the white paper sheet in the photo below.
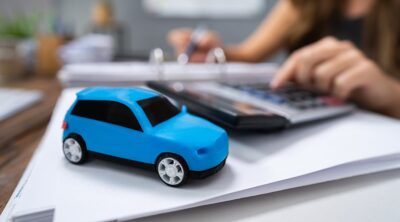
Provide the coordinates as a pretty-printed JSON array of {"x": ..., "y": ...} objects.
[{"x": 258, "y": 163}]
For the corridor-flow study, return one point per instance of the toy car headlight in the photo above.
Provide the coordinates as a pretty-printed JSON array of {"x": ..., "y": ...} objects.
[{"x": 202, "y": 151}]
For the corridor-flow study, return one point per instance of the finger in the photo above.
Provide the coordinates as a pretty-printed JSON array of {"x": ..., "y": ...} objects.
[
  {"x": 348, "y": 81},
  {"x": 198, "y": 57},
  {"x": 316, "y": 53},
  {"x": 299, "y": 65},
  {"x": 303, "y": 74},
  {"x": 325, "y": 72},
  {"x": 180, "y": 49},
  {"x": 286, "y": 73},
  {"x": 207, "y": 41},
  {"x": 322, "y": 50},
  {"x": 179, "y": 37}
]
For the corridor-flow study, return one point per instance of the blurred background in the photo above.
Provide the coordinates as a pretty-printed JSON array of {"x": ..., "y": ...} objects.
[{"x": 38, "y": 36}]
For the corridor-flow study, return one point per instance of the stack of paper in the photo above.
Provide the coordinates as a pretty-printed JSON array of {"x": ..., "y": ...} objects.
[
  {"x": 258, "y": 163},
  {"x": 139, "y": 72}
]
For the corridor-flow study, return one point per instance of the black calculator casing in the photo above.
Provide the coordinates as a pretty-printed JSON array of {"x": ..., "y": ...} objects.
[{"x": 215, "y": 112}]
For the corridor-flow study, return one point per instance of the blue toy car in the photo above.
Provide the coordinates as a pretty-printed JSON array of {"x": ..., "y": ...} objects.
[{"x": 145, "y": 127}]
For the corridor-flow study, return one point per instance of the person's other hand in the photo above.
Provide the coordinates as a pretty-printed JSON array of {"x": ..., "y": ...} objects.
[
  {"x": 179, "y": 39},
  {"x": 340, "y": 69}
]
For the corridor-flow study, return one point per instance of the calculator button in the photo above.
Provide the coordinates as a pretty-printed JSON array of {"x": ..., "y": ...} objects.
[
  {"x": 259, "y": 94},
  {"x": 298, "y": 105},
  {"x": 332, "y": 101},
  {"x": 296, "y": 98},
  {"x": 270, "y": 97},
  {"x": 247, "y": 89},
  {"x": 276, "y": 99},
  {"x": 263, "y": 94},
  {"x": 318, "y": 103}
]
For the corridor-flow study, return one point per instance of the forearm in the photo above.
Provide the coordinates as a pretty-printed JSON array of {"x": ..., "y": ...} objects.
[
  {"x": 269, "y": 37},
  {"x": 242, "y": 54}
]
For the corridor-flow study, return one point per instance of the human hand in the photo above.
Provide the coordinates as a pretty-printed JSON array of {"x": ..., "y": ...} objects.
[
  {"x": 179, "y": 39},
  {"x": 340, "y": 69}
]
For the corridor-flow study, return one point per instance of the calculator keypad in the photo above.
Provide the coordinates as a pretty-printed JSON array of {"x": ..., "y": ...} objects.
[{"x": 290, "y": 96}]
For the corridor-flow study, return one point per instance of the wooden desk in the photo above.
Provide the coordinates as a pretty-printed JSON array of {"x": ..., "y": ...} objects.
[{"x": 20, "y": 134}]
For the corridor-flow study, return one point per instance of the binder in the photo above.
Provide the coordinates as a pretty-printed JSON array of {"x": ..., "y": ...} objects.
[{"x": 157, "y": 68}]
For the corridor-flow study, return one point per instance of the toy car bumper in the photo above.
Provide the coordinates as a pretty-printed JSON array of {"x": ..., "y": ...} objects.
[{"x": 206, "y": 173}]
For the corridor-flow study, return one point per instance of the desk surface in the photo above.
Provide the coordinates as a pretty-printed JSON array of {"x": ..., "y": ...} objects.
[{"x": 20, "y": 134}]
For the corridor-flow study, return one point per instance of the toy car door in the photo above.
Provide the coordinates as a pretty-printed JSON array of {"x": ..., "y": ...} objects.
[{"x": 126, "y": 138}]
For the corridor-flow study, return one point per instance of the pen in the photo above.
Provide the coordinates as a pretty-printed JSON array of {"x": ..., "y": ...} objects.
[{"x": 194, "y": 40}]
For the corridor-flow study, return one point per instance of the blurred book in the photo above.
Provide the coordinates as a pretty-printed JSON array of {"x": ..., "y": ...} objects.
[
  {"x": 13, "y": 101},
  {"x": 90, "y": 48}
]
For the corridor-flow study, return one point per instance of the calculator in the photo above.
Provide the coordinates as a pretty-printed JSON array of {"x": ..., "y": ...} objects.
[{"x": 253, "y": 105}]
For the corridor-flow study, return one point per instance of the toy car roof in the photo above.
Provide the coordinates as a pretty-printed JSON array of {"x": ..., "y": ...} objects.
[{"x": 126, "y": 95}]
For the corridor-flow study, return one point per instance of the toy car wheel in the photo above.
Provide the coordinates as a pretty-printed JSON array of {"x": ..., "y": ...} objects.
[
  {"x": 172, "y": 170},
  {"x": 74, "y": 149}
]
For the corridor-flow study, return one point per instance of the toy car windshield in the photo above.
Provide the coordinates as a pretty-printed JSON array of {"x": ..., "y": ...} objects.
[{"x": 158, "y": 109}]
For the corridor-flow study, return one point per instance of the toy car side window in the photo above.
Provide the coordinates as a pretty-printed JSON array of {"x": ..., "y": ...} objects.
[
  {"x": 122, "y": 115},
  {"x": 91, "y": 109},
  {"x": 158, "y": 109},
  {"x": 107, "y": 111}
]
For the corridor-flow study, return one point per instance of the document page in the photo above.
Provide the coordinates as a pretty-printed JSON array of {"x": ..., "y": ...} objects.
[{"x": 258, "y": 163}]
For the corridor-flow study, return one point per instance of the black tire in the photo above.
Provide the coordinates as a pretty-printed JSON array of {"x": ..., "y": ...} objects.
[
  {"x": 176, "y": 175},
  {"x": 74, "y": 138}
]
